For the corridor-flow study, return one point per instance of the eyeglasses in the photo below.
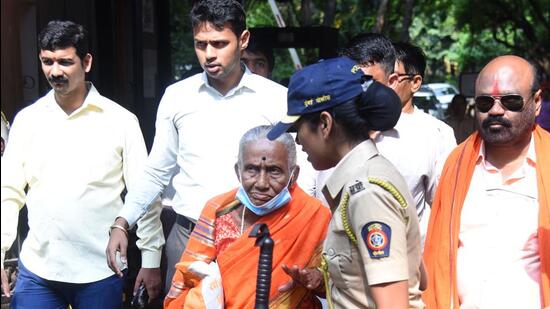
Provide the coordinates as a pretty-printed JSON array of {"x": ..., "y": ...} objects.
[{"x": 512, "y": 102}]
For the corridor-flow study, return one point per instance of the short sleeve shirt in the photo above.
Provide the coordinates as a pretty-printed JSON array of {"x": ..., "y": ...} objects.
[{"x": 385, "y": 225}]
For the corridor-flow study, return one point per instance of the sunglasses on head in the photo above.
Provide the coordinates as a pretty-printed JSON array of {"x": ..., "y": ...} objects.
[{"x": 511, "y": 102}]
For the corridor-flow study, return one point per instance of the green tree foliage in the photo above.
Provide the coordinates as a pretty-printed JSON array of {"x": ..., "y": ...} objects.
[
  {"x": 521, "y": 27},
  {"x": 457, "y": 35},
  {"x": 181, "y": 37}
]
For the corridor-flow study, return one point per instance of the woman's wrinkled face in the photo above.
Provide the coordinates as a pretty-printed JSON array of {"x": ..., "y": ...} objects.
[{"x": 265, "y": 170}]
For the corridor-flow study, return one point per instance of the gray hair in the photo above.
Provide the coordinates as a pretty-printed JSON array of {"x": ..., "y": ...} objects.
[{"x": 260, "y": 133}]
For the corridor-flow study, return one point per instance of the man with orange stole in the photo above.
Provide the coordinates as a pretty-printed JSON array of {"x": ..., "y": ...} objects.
[{"x": 488, "y": 241}]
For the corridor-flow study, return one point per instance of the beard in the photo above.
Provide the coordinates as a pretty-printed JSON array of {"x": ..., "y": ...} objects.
[{"x": 509, "y": 131}]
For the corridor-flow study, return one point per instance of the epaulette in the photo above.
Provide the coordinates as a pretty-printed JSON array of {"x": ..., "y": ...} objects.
[
  {"x": 391, "y": 189},
  {"x": 345, "y": 202}
]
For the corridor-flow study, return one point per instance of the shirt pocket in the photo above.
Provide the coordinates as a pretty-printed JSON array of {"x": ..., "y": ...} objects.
[{"x": 338, "y": 254}]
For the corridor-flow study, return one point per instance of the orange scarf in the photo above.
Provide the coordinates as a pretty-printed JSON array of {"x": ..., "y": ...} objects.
[
  {"x": 444, "y": 226},
  {"x": 298, "y": 230}
]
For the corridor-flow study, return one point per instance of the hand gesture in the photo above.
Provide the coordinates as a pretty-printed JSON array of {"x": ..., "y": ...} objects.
[{"x": 310, "y": 278}]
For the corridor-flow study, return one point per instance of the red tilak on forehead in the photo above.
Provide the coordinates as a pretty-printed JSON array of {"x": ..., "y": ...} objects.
[{"x": 495, "y": 87}]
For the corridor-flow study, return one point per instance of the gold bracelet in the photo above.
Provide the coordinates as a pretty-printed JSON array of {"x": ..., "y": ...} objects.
[{"x": 120, "y": 227}]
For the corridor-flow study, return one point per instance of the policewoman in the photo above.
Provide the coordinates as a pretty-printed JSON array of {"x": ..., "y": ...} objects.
[{"x": 372, "y": 251}]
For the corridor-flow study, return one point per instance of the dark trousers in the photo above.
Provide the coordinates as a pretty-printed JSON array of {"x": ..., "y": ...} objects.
[
  {"x": 32, "y": 291},
  {"x": 175, "y": 246}
]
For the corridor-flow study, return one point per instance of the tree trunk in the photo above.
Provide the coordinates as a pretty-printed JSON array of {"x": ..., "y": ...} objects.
[
  {"x": 381, "y": 17},
  {"x": 330, "y": 12},
  {"x": 407, "y": 18},
  {"x": 307, "y": 11}
]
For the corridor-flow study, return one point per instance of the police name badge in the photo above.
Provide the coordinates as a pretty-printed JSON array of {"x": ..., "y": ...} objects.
[
  {"x": 356, "y": 187},
  {"x": 377, "y": 238}
]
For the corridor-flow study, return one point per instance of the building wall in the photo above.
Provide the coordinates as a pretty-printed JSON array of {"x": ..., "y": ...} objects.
[{"x": 129, "y": 45}]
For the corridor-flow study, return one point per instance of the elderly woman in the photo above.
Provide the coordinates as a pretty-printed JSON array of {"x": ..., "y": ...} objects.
[
  {"x": 372, "y": 251},
  {"x": 268, "y": 194}
]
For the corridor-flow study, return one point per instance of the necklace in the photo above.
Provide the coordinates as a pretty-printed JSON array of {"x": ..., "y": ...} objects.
[{"x": 242, "y": 220}]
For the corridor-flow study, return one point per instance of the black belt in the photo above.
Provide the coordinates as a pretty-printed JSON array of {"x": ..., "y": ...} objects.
[{"x": 185, "y": 222}]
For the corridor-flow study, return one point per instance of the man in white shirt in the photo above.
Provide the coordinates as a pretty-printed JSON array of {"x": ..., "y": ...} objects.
[
  {"x": 75, "y": 151},
  {"x": 419, "y": 143},
  {"x": 199, "y": 123},
  {"x": 488, "y": 244}
]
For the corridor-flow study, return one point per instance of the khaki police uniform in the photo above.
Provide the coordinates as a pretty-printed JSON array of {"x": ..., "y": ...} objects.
[{"x": 371, "y": 203}]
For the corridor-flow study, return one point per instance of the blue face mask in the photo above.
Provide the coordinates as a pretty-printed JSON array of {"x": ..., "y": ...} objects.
[{"x": 275, "y": 203}]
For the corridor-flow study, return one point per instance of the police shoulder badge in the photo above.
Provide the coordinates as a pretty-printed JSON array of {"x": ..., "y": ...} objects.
[{"x": 377, "y": 238}]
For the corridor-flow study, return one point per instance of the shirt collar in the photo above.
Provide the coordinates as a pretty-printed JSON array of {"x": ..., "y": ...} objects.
[
  {"x": 92, "y": 99},
  {"x": 349, "y": 165},
  {"x": 247, "y": 82},
  {"x": 530, "y": 158}
]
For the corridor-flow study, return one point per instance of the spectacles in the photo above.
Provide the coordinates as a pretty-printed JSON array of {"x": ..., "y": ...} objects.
[{"x": 512, "y": 102}]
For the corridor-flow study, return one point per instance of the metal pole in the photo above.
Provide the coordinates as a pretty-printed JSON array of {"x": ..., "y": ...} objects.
[{"x": 281, "y": 23}]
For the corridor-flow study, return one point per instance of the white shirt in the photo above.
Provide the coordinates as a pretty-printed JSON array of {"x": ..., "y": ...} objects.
[
  {"x": 417, "y": 146},
  {"x": 199, "y": 130},
  {"x": 76, "y": 167},
  {"x": 167, "y": 196},
  {"x": 498, "y": 260}
]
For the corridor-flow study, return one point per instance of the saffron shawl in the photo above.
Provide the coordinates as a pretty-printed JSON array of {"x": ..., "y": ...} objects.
[{"x": 298, "y": 230}]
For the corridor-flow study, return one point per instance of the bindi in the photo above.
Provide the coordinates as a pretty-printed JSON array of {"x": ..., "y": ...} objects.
[
  {"x": 495, "y": 90},
  {"x": 264, "y": 158}
]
